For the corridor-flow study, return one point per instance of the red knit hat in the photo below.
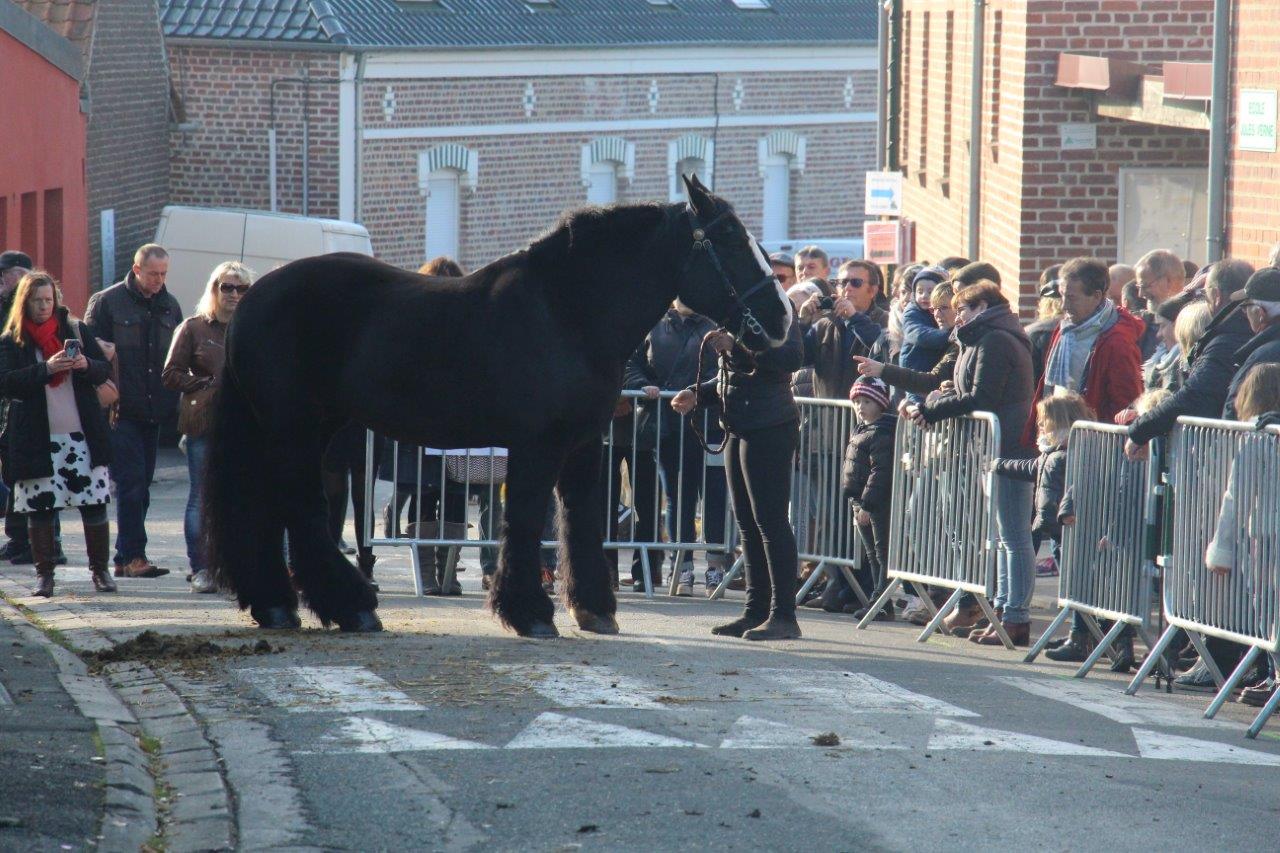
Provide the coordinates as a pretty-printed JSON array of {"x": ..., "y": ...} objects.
[{"x": 871, "y": 388}]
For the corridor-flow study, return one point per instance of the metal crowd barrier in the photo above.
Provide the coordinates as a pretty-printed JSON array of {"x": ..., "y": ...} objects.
[
  {"x": 820, "y": 514},
  {"x": 1107, "y": 567},
  {"x": 652, "y": 469},
  {"x": 943, "y": 527},
  {"x": 1223, "y": 481}
]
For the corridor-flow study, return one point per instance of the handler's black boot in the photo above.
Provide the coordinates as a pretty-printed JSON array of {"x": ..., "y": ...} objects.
[
  {"x": 782, "y": 624},
  {"x": 757, "y": 609},
  {"x": 1076, "y": 650}
]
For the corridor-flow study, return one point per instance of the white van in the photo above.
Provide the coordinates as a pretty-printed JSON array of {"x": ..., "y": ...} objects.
[
  {"x": 200, "y": 238},
  {"x": 838, "y": 251}
]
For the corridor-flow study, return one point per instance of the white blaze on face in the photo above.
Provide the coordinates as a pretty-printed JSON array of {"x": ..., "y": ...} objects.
[{"x": 767, "y": 269}]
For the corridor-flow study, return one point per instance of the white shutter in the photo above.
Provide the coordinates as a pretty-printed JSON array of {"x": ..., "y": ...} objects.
[
  {"x": 442, "y": 214},
  {"x": 602, "y": 183},
  {"x": 777, "y": 198}
]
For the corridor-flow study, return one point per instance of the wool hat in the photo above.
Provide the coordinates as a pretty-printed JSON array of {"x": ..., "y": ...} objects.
[
  {"x": 930, "y": 275},
  {"x": 1263, "y": 285},
  {"x": 872, "y": 388},
  {"x": 11, "y": 259},
  {"x": 782, "y": 258},
  {"x": 1172, "y": 307}
]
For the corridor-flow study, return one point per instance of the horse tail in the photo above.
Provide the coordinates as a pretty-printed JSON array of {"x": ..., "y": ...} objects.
[{"x": 242, "y": 527}]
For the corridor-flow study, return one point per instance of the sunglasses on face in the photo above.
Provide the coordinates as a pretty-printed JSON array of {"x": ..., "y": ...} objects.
[
  {"x": 855, "y": 283},
  {"x": 228, "y": 287}
]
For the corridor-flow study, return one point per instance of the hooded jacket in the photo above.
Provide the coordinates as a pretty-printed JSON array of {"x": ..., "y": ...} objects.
[
  {"x": 992, "y": 374},
  {"x": 866, "y": 477},
  {"x": 923, "y": 343},
  {"x": 1262, "y": 348}
]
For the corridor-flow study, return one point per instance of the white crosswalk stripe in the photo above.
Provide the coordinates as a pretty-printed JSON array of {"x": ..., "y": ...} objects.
[{"x": 557, "y": 731}]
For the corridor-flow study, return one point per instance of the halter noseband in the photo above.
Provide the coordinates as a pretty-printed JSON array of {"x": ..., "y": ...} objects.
[{"x": 702, "y": 242}]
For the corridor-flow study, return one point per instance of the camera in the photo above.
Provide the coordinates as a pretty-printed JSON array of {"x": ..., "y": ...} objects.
[
  {"x": 72, "y": 349},
  {"x": 826, "y": 303}
]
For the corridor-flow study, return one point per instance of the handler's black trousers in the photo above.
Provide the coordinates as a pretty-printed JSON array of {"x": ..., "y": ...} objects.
[{"x": 758, "y": 469}]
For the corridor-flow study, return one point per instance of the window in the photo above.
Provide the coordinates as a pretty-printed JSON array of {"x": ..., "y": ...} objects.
[
  {"x": 443, "y": 172},
  {"x": 997, "y": 35},
  {"x": 52, "y": 254},
  {"x": 781, "y": 153},
  {"x": 603, "y": 162},
  {"x": 28, "y": 224},
  {"x": 602, "y": 183},
  {"x": 691, "y": 154}
]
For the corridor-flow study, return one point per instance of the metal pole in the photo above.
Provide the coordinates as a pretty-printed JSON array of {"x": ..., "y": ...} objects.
[
  {"x": 1219, "y": 106},
  {"x": 306, "y": 143},
  {"x": 893, "y": 66},
  {"x": 975, "y": 128},
  {"x": 271, "y": 166}
]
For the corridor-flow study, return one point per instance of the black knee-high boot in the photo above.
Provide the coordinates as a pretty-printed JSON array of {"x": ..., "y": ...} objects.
[{"x": 43, "y": 552}]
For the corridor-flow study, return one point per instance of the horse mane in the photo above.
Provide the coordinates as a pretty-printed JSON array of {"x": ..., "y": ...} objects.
[{"x": 596, "y": 229}]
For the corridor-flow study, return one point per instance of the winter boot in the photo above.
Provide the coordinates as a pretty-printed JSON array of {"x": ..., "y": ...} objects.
[
  {"x": 1122, "y": 652},
  {"x": 97, "y": 541},
  {"x": 453, "y": 587},
  {"x": 42, "y": 551},
  {"x": 1077, "y": 649},
  {"x": 427, "y": 570}
]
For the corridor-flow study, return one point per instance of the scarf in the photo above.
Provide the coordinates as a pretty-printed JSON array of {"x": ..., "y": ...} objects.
[
  {"x": 1065, "y": 367},
  {"x": 45, "y": 336},
  {"x": 1052, "y": 441}
]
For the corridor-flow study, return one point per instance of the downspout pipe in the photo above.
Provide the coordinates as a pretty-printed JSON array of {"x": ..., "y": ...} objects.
[
  {"x": 882, "y": 85},
  {"x": 977, "y": 46},
  {"x": 1219, "y": 107}
]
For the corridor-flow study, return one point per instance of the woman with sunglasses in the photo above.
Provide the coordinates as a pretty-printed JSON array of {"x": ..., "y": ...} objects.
[{"x": 194, "y": 368}]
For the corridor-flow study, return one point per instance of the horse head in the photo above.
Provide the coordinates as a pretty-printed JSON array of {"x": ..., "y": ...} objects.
[{"x": 728, "y": 277}]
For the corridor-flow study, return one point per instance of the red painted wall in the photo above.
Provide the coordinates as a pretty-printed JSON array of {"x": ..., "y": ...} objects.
[{"x": 43, "y": 205}]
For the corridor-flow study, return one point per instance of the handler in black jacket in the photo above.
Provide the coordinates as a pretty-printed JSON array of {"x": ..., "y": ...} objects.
[{"x": 763, "y": 423}]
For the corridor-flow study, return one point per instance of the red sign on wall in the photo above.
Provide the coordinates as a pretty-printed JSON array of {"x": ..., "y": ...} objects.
[{"x": 888, "y": 243}]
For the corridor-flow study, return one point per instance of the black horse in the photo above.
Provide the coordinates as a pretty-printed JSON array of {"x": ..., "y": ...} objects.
[{"x": 526, "y": 353}]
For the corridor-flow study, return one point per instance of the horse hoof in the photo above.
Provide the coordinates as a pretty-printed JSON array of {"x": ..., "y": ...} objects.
[
  {"x": 276, "y": 618},
  {"x": 360, "y": 622},
  {"x": 594, "y": 622},
  {"x": 540, "y": 631}
]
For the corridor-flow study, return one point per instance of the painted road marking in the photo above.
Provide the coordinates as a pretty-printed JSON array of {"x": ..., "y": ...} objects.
[
  {"x": 579, "y": 686},
  {"x": 1167, "y": 747},
  {"x": 755, "y": 733},
  {"x": 344, "y": 689},
  {"x": 557, "y": 731},
  {"x": 952, "y": 734},
  {"x": 365, "y": 734},
  {"x": 1112, "y": 703},
  {"x": 5, "y": 699},
  {"x": 857, "y": 692}
]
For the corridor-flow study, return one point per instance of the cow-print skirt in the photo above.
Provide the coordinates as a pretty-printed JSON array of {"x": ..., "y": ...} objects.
[{"x": 74, "y": 482}]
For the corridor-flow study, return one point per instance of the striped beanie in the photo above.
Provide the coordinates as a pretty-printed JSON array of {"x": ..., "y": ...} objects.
[{"x": 871, "y": 388}]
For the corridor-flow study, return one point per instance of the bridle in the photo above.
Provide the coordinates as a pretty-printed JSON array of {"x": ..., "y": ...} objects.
[
  {"x": 702, "y": 243},
  {"x": 747, "y": 319}
]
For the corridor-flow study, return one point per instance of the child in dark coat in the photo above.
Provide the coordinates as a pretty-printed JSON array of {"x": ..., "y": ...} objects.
[{"x": 867, "y": 480}]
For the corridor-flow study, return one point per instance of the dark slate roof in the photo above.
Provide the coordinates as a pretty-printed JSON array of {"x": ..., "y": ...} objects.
[{"x": 517, "y": 23}]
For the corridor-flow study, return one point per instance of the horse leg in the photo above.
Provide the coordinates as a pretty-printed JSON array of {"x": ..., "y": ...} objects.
[
  {"x": 516, "y": 595},
  {"x": 588, "y": 592},
  {"x": 334, "y": 589}
]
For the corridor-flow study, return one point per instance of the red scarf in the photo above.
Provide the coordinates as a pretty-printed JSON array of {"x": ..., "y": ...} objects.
[{"x": 46, "y": 337}]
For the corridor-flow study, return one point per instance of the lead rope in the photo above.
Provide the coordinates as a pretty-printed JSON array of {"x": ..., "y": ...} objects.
[{"x": 722, "y": 374}]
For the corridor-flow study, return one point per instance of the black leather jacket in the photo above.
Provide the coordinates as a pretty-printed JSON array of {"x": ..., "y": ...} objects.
[{"x": 142, "y": 330}]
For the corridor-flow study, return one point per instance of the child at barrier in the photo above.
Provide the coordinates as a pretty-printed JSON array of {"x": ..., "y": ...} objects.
[{"x": 867, "y": 482}]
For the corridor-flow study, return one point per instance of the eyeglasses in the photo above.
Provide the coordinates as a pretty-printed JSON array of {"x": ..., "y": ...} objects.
[
  {"x": 228, "y": 287},
  {"x": 855, "y": 283}
]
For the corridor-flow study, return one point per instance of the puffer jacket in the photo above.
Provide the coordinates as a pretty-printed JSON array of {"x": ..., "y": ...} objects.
[
  {"x": 923, "y": 343},
  {"x": 142, "y": 330},
  {"x": 1049, "y": 472},
  {"x": 23, "y": 378},
  {"x": 866, "y": 477},
  {"x": 755, "y": 391},
  {"x": 992, "y": 374}
]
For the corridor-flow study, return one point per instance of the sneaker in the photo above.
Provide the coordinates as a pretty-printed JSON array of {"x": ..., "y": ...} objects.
[
  {"x": 202, "y": 582},
  {"x": 1047, "y": 568},
  {"x": 1198, "y": 679},
  {"x": 684, "y": 586},
  {"x": 715, "y": 577},
  {"x": 1258, "y": 694}
]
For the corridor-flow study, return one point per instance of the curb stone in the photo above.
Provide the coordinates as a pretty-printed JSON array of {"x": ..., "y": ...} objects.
[{"x": 130, "y": 702}]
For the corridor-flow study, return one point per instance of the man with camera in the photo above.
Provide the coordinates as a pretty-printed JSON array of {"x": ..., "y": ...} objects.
[{"x": 842, "y": 326}]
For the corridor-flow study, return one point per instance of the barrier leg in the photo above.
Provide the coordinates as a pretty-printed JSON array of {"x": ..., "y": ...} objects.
[
  {"x": 1035, "y": 650},
  {"x": 814, "y": 576},
  {"x": 936, "y": 622},
  {"x": 1103, "y": 646},
  {"x": 1268, "y": 709},
  {"x": 415, "y": 556},
  {"x": 1206, "y": 658},
  {"x": 675, "y": 574},
  {"x": 1236, "y": 675},
  {"x": 1154, "y": 656},
  {"x": 879, "y": 602},
  {"x": 1163, "y": 664},
  {"x": 733, "y": 572},
  {"x": 450, "y": 566},
  {"x": 995, "y": 622},
  {"x": 644, "y": 571},
  {"x": 1095, "y": 629},
  {"x": 858, "y": 591},
  {"x": 925, "y": 598}
]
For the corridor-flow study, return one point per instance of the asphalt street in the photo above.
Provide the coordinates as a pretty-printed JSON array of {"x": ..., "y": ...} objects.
[{"x": 448, "y": 733}]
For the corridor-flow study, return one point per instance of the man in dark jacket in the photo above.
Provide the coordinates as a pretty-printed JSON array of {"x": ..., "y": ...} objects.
[
  {"x": 849, "y": 328},
  {"x": 1261, "y": 298},
  {"x": 667, "y": 360},
  {"x": 1212, "y": 362},
  {"x": 139, "y": 316}
]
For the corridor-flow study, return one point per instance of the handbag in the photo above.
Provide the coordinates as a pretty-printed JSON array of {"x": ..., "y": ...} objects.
[
  {"x": 476, "y": 469},
  {"x": 108, "y": 390}
]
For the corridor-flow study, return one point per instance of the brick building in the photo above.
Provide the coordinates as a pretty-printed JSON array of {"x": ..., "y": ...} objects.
[
  {"x": 127, "y": 165},
  {"x": 42, "y": 189},
  {"x": 1253, "y": 164},
  {"x": 1091, "y": 141},
  {"x": 466, "y": 127}
]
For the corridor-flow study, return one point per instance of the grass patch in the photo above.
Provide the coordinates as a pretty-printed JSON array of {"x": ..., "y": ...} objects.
[{"x": 34, "y": 618}]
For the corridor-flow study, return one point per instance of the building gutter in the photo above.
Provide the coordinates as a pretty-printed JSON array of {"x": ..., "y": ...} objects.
[
  {"x": 1219, "y": 107},
  {"x": 975, "y": 130}
]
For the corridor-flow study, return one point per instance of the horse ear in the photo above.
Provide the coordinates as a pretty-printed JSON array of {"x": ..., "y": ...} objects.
[{"x": 699, "y": 199}]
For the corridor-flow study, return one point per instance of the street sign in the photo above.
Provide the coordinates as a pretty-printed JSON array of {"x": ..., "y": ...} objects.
[
  {"x": 884, "y": 194},
  {"x": 882, "y": 242},
  {"x": 1257, "y": 120},
  {"x": 1078, "y": 136}
]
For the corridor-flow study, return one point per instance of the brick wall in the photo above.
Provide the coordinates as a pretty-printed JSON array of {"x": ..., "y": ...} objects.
[
  {"x": 525, "y": 182},
  {"x": 220, "y": 151},
  {"x": 1040, "y": 205},
  {"x": 127, "y": 167},
  {"x": 1253, "y": 177}
]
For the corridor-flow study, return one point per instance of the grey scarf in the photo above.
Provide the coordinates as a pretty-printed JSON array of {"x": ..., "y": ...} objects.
[{"x": 1065, "y": 367}]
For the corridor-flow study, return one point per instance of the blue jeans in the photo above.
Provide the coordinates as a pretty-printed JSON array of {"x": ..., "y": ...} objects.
[
  {"x": 133, "y": 466},
  {"x": 195, "y": 448},
  {"x": 1015, "y": 556}
]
